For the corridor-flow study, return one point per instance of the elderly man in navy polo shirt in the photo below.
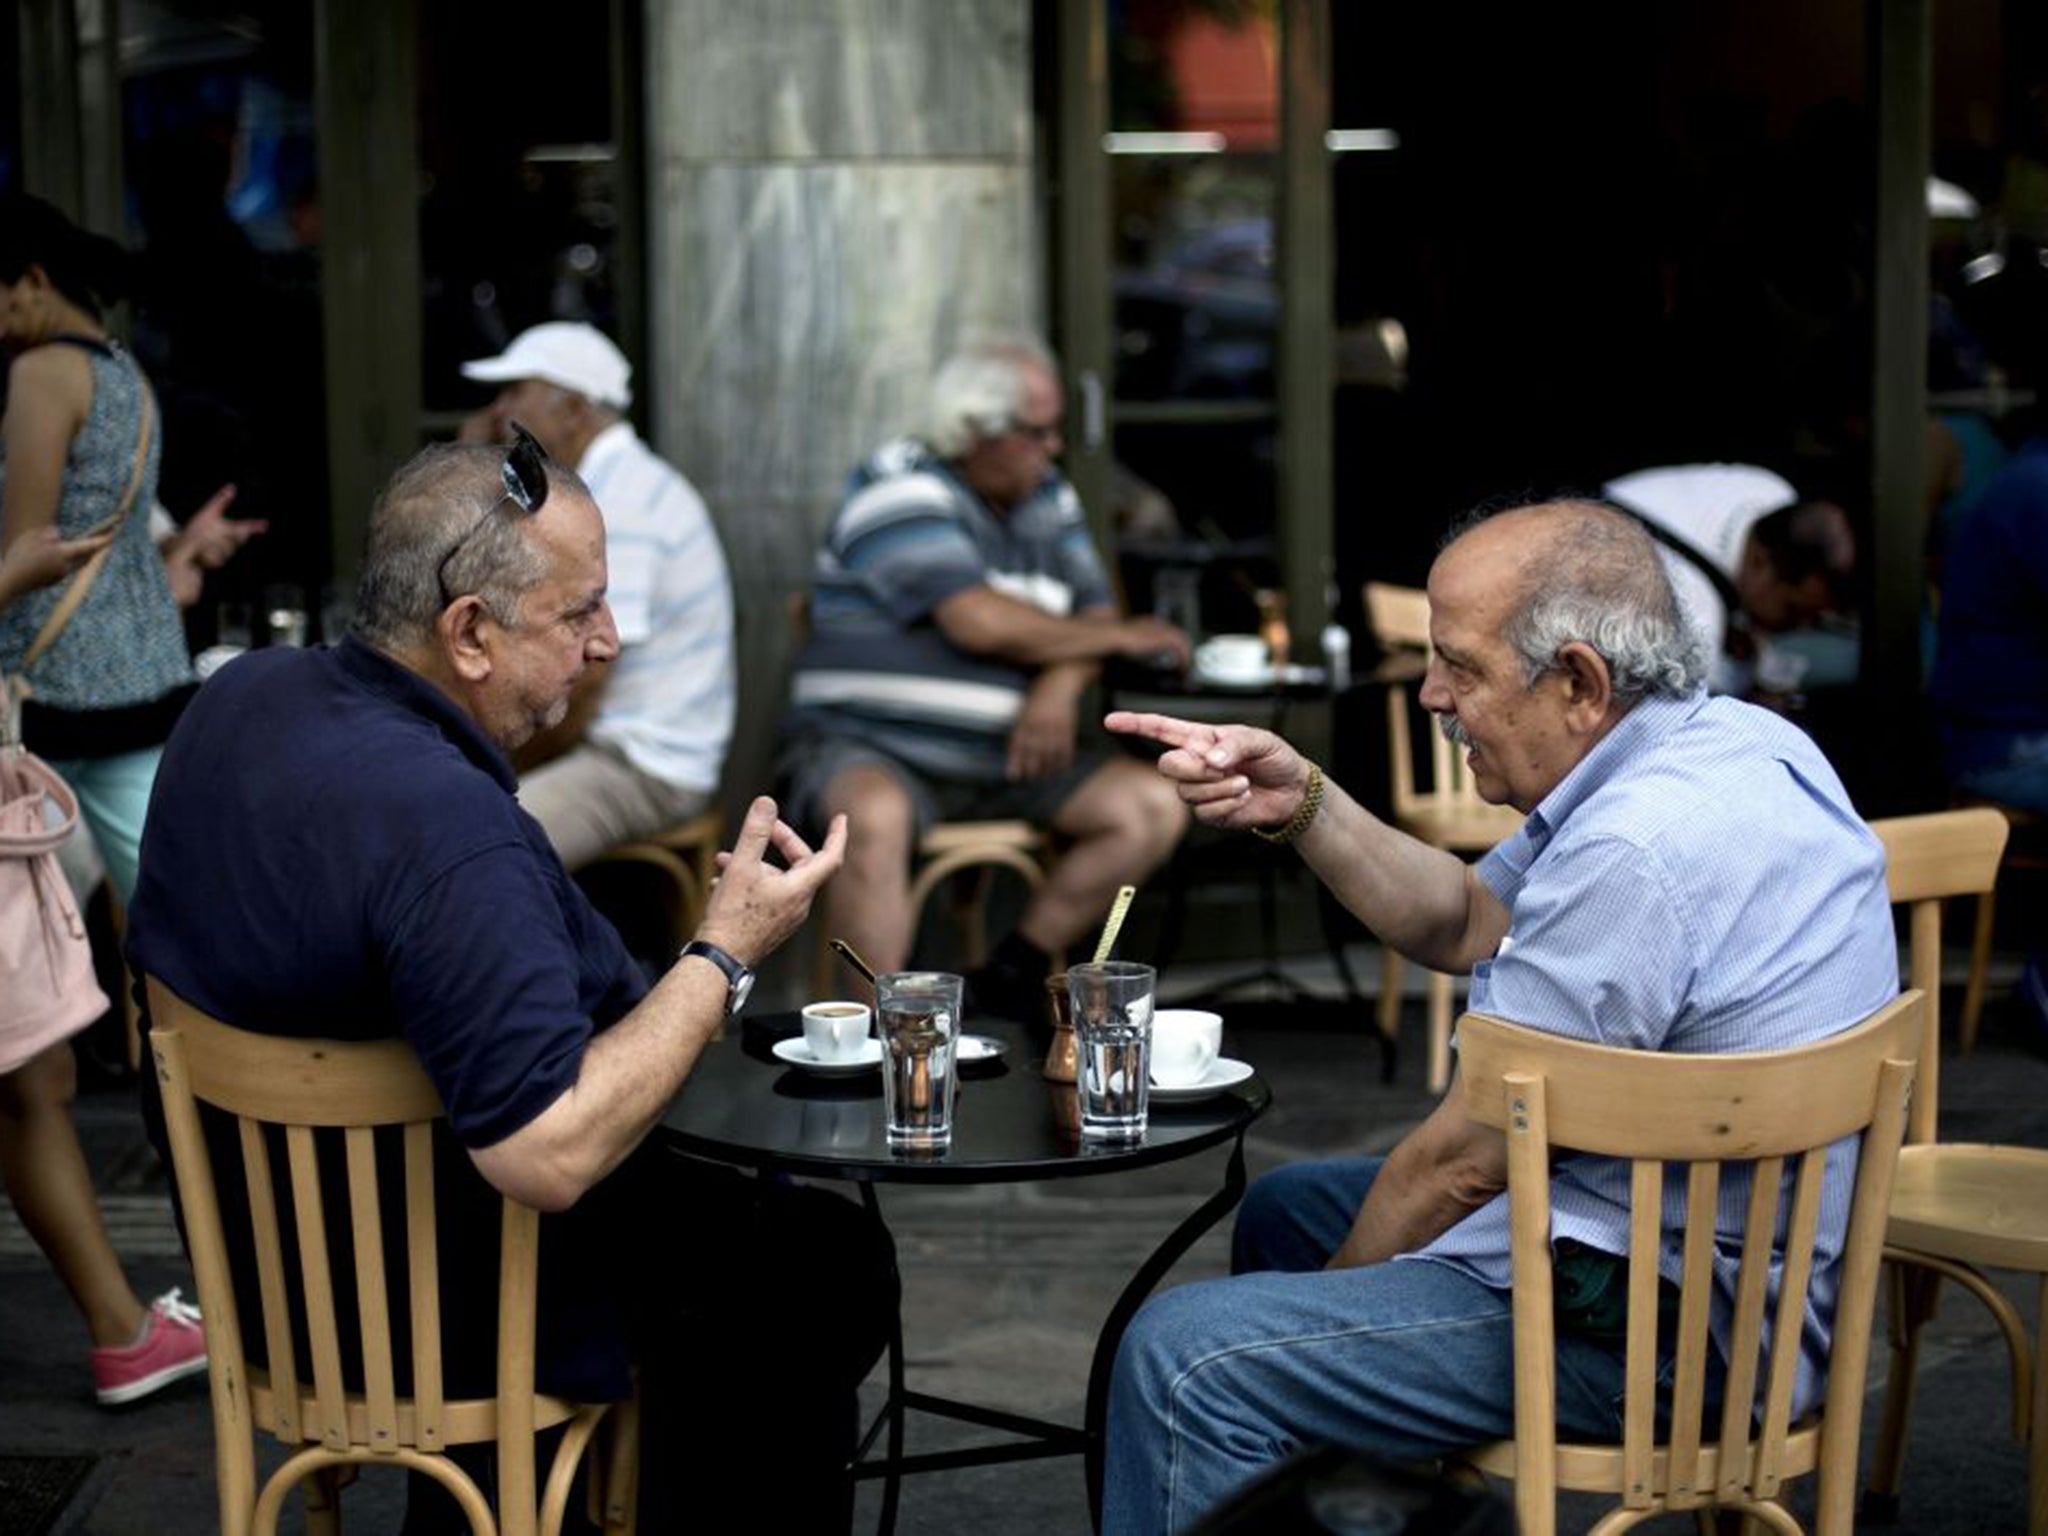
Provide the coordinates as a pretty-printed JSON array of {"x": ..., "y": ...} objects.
[
  {"x": 335, "y": 850},
  {"x": 1690, "y": 877}
]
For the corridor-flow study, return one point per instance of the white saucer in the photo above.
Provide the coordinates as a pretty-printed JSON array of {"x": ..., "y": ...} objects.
[
  {"x": 1261, "y": 676},
  {"x": 1223, "y": 1073},
  {"x": 976, "y": 1049},
  {"x": 797, "y": 1052}
]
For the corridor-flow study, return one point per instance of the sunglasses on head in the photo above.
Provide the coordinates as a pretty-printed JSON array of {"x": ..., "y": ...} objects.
[{"x": 525, "y": 473}]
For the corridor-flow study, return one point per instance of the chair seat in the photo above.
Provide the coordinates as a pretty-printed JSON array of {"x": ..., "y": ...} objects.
[
  {"x": 464, "y": 1420},
  {"x": 952, "y": 836},
  {"x": 1461, "y": 828},
  {"x": 1981, "y": 1205},
  {"x": 1597, "y": 1468}
]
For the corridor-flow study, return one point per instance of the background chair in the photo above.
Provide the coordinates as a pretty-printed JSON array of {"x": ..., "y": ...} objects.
[
  {"x": 307, "y": 1091},
  {"x": 1446, "y": 812},
  {"x": 684, "y": 856},
  {"x": 2026, "y": 847},
  {"x": 963, "y": 857},
  {"x": 1778, "y": 1112},
  {"x": 1957, "y": 1209}
]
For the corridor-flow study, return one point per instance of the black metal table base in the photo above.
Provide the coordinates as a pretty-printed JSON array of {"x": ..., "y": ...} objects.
[{"x": 1034, "y": 1438}]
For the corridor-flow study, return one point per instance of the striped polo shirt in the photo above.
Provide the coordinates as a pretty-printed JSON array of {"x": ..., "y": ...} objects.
[
  {"x": 1698, "y": 883},
  {"x": 668, "y": 706},
  {"x": 908, "y": 535}
]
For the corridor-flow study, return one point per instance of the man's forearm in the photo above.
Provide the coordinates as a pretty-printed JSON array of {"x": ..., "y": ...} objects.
[
  {"x": 1423, "y": 901},
  {"x": 629, "y": 1074},
  {"x": 1442, "y": 1171},
  {"x": 992, "y": 623}
]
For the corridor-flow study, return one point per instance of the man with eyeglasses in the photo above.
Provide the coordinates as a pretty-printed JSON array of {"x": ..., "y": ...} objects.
[
  {"x": 335, "y": 850},
  {"x": 645, "y": 737},
  {"x": 959, "y": 613}
]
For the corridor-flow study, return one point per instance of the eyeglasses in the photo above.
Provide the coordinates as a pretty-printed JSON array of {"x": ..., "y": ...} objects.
[
  {"x": 1043, "y": 433},
  {"x": 525, "y": 473}
]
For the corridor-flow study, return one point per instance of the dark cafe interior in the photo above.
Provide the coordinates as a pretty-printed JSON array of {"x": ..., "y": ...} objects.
[{"x": 1402, "y": 657}]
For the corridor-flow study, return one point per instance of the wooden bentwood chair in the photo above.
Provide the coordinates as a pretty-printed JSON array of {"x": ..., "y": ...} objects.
[
  {"x": 1447, "y": 813},
  {"x": 1957, "y": 1209},
  {"x": 685, "y": 857},
  {"x": 307, "y": 1087},
  {"x": 1776, "y": 1111}
]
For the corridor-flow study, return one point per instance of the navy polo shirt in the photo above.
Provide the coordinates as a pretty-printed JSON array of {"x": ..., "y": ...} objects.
[{"x": 334, "y": 849}]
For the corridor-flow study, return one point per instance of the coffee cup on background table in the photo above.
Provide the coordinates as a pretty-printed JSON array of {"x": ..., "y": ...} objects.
[
  {"x": 835, "y": 1031},
  {"x": 1185, "y": 1042}
]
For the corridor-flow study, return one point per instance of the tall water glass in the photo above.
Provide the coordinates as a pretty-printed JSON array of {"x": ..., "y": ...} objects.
[
  {"x": 1112, "y": 1002},
  {"x": 917, "y": 1014}
]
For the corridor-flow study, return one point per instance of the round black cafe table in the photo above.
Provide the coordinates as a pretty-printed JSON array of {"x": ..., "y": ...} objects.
[{"x": 743, "y": 1106}]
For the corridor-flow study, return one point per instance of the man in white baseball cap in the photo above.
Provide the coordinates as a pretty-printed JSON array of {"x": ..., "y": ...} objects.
[{"x": 646, "y": 737}]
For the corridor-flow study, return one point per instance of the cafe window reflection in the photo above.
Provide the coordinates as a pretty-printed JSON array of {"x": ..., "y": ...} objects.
[{"x": 1193, "y": 154}]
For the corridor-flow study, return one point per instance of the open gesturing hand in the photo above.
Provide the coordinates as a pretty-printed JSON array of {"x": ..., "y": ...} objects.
[
  {"x": 1232, "y": 776},
  {"x": 754, "y": 904}
]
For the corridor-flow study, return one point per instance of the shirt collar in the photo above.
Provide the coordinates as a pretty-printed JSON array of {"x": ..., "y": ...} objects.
[
  {"x": 1647, "y": 720},
  {"x": 393, "y": 680},
  {"x": 612, "y": 440}
]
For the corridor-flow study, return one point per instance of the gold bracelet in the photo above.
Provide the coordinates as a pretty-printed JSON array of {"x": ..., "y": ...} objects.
[{"x": 1304, "y": 813}]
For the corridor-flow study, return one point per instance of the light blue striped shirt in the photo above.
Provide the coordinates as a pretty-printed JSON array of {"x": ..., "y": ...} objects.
[
  {"x": 669, "y": 703},
  {"x": 909, "y": 535},
  {"x": 1698, "y": 883}
]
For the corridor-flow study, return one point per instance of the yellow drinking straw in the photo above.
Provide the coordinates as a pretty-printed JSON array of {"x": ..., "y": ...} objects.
[{"x": 1115, "y": 921}]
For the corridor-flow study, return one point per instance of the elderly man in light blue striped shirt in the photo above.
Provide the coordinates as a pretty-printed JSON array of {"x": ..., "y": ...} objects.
[{"x": 1690, "y": 877}]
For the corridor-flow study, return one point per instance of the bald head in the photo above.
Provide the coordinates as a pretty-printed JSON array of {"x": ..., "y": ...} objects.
[
  {"x": 435, "y": 499},
  {"x": 1565, "y": 571}
]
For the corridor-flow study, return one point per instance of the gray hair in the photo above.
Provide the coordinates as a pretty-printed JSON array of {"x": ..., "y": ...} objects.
[
  {"x": 438, "y": 496},
  {"x": 1595, "y": 577},
  {"x": 978, "y": 391}
]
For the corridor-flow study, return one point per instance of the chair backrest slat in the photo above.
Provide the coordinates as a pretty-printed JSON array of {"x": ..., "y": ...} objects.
[
  {"x": 1521, "y": 1098},
  {"x": 1796, "y": 1277},
  {"x": 270, "y": 1281},
  {"x": 1689, "y": 1384},
  {"x": 373, "y": 1307},
  {"x": 1927, "y": 860},
  {"x": 423, "y": 1250},
  {"x": 316, "y": 1285},
  {"x": 1639, "y": 1406},
  {"x": 1767, "y": 1118},
  {"x": 1752, "y": 1289}
]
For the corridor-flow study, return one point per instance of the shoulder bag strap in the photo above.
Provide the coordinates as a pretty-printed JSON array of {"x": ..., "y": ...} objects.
[
  {"x": 81, "y": 584},
  {"x": 1687, "y": 551}
]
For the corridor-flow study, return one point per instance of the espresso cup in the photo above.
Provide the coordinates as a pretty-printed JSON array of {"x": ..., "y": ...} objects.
[
  {"x": 835, "y": 1031},
  {"x": 1184, "y": 1045},
  {"x": 1232, "y": 655}
]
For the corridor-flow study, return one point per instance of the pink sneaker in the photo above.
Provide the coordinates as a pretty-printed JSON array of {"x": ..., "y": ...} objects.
[{"x": 172, "y": 1347}]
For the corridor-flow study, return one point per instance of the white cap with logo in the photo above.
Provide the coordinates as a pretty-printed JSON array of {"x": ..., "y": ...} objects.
[{"x": 565, "y": 352}]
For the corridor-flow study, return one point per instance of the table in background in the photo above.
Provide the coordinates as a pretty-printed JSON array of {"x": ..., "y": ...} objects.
[
  {"x": 743, "y": 1107},
  {"x": 1267, "y": 702}
]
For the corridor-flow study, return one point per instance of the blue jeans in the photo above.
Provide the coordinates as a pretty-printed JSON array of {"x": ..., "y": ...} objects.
[{"x": 1217, "y": 1380}]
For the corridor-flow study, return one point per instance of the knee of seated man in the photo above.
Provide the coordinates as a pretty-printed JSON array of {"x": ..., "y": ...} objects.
[
  {"x": 881, "y": 820},
  {"x": 1173, "y": 1334},
  {"x": 1154, "y": 807}
]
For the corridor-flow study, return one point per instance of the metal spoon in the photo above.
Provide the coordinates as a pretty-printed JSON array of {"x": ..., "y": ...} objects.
[{"x": 852, "y": 957}]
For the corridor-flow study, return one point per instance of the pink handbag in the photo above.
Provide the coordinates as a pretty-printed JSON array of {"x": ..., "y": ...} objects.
[{"x": 47, "y": 988}]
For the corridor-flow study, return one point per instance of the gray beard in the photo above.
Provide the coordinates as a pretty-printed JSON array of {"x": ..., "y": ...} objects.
[{"x": 1454, "y": 731}]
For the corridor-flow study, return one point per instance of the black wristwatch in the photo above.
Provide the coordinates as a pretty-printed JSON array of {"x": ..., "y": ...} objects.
[{"x": 738, "y": 977}]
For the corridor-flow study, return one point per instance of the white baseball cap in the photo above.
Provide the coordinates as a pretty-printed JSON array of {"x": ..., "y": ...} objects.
[{"x": 565, "y": 352}]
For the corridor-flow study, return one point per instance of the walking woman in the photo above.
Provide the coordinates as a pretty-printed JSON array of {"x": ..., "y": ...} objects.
[
  {"x": 77, "y": 477},
  {"x": 78, "y": 447}
]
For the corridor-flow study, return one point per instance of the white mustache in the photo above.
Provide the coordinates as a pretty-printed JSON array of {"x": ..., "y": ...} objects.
[{"x": 1454, "y": 731}]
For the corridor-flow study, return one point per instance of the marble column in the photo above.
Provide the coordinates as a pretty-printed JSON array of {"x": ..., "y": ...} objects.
[{"x": 839, "y": 191}]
